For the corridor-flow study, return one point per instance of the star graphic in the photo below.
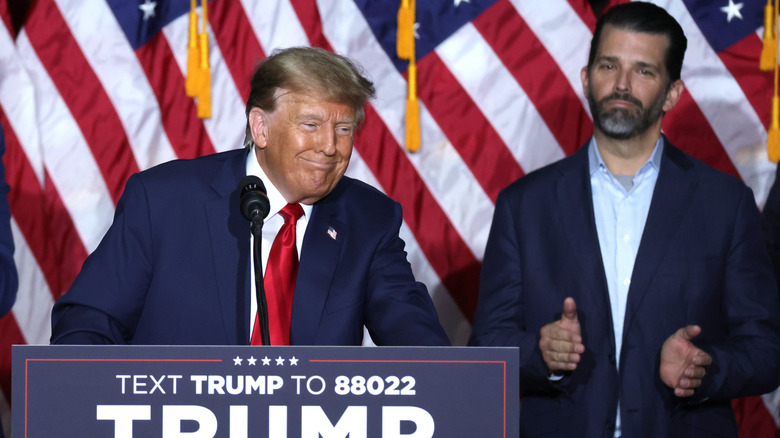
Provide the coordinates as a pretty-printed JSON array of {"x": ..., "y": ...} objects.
[
  {"x": 732, "y": 10},
  {"x": 294, "y": 361},
  {"x": 237, "y": 361},
  {"x": 279, "y": 360},
  {"x": 148, "y": 9},
  {"x": 458, "y": 2},
  {"x": 251, "y": 360},
  {"x": 266, "y": 361},
  {"x": 416, "y": 27}
]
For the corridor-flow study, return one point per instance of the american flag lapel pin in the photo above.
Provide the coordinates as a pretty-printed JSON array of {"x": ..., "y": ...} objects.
[{"x": 332, "y": 233}]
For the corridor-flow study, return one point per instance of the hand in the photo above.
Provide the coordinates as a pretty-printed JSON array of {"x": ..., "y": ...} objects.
[
  {"x": 561, "y": 341},
  {"x": 683, "y": 365}
]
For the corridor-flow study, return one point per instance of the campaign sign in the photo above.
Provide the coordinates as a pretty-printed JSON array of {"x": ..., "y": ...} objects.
[{"x": 275, "y": 392}]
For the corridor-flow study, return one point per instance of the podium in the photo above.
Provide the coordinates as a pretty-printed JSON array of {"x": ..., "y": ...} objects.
[{"x": 275, "y": 392}]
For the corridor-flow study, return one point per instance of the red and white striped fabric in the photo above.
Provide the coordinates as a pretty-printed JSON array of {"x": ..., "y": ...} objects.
[{"x": 92, "y": 91}]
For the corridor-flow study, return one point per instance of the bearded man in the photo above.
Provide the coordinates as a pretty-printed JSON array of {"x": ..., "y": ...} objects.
[{"x": 632, "y": 276}]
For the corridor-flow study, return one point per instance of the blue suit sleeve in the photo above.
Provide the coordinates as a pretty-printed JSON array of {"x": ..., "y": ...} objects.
[
  {"x": 9, "y": 280},
  {"x": 106, "y": 300},
  {"x": 399, "y": 310},
  {"x": 770, "y": 223},
  {"x": 747, "y": 361},
  {"x": 499, "y": 319}
]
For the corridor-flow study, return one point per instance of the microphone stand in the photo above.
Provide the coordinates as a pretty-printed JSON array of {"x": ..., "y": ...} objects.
[{"x": 262, "y": 304}]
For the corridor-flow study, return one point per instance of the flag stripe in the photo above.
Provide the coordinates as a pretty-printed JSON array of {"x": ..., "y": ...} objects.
[
  {"x": 275, "y": 24},
  {"x": 309, "y": 16},
  {"x": 688, "y": 127},
  {"x": 481, "y": 148},
  {"x": 585, "y": 12},
  {"x": 112, "y": 59},
  {"x": 28, "y": 205},
  {"x": 82, "y": 93},
  {"x": 225, "y": 126},
  {"x": 240, "y": 49},
  {"x": 499, "y": 97},
  {"x": 556, "y": 25},
  {"x": 32, "y": 310},
  {"x": 5, "y": 17},
  {"x": 753, "y": 418},
  {"x": 741, "y": 60},
  {"x": 178, "y": 112},
  {"x": 67, "y": 158},
  {"x": 733, "y": 121},
  {"x": 537, "y": 73}
]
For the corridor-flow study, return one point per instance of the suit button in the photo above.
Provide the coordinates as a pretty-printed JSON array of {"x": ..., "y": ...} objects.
[
  {"x": 610, "y": 425},
  {"x": 611, "y": 358}
]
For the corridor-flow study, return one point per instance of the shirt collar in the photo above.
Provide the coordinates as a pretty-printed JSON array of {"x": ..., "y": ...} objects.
[
  {"x": 595, "y": 161},
  {"x": 275, "y": 197}
]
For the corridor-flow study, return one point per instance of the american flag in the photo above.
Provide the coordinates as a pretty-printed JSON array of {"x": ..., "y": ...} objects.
[{"x": 92, "y": 91}]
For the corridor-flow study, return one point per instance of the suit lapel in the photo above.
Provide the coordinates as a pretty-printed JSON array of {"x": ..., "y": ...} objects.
[
  {"x": 231, "y": 249},
  {"x": 575, "y": 202},
  {"x": 671, "y": 199},
  {"x": 318, "y": 261}
]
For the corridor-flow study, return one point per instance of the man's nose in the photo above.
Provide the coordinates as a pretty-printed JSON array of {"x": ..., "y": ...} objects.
[
  {"x": 623, "y": 81},
  {"x": 326, "y": 142}
]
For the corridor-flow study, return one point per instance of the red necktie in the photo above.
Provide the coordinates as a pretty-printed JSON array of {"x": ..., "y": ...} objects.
[{"x": 279, "y": 280}]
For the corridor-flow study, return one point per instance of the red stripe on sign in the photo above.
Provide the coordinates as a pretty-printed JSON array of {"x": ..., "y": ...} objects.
[
  {"x": 42, "y": 218},
  {"x": 537, "y": 73},
  {"x": 445, "y": 250},
  {"x": 237, "y": 42},
  {"x": 9, "y": 334},
  {"x": 476, "y": 141},
  {"x": 83, "y": 94},
  {"x": 741, "y": 60},
  {"x": 688, "y": 129},
  {"x": 179, "y": 112}
]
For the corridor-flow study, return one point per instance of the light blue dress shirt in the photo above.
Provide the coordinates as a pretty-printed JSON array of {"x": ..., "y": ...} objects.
[{"x": 621, "y": 213}]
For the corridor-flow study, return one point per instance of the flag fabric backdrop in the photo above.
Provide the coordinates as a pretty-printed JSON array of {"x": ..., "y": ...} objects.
[{"x": 92, "y": 91}]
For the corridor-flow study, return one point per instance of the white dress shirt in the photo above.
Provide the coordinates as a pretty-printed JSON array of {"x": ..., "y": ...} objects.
[
  {"x": 271, "y": 226},
  {"x": 620, "y": 215}
]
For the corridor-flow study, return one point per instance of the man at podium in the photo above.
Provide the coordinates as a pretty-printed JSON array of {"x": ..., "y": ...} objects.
[{"x": 176, "y": 266}]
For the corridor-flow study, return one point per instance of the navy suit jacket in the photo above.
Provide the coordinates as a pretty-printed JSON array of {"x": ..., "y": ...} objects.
[
  {"x": 701, "y": 260},
  {"x": 9, "y": 280},
  {"x": 174, "y": 267}
]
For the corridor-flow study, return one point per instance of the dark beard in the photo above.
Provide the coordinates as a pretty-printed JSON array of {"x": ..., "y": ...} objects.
[{"x": 620, "y": 123}]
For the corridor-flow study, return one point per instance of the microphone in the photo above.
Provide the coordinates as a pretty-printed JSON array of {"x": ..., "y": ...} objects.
[
  {"x": 254, "y": 201},
  {"x": 255, "y": 207}
]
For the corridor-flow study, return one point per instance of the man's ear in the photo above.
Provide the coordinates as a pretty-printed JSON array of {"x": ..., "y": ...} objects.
[
  {"x": 584, "y": 79},
  {"x": 673, "y": 95},
  {"x": 258, "y": 126}
]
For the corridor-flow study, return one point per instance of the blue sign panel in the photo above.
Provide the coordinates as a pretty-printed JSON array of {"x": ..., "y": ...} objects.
[{"x": 277, "y": 392}]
